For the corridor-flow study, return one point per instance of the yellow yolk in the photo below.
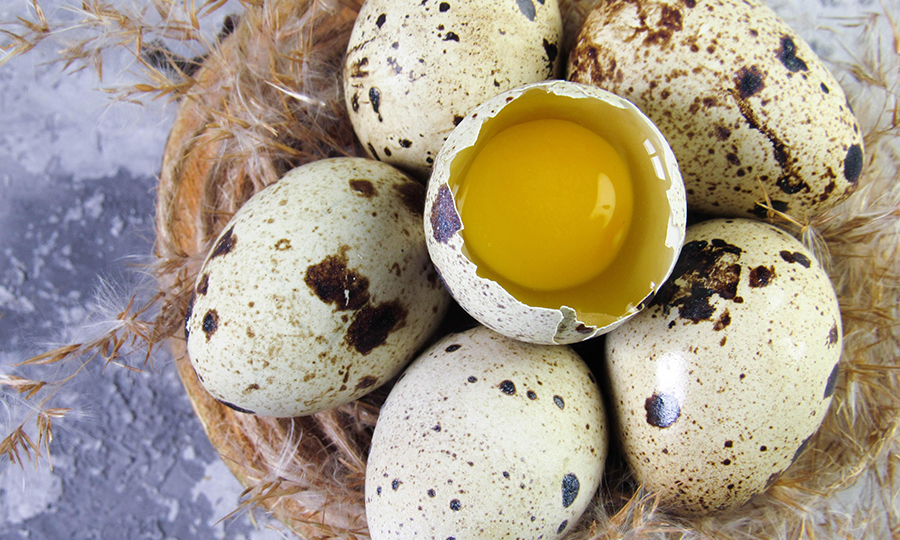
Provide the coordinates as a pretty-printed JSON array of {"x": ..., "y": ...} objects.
[{"x": 546, "y": 204}]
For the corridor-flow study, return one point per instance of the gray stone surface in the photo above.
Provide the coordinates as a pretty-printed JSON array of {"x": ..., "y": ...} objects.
[{"x": 77, "y": 192}]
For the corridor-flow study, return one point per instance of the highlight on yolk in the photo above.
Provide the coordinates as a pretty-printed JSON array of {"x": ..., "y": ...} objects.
[{"x": 546, "y": 204}]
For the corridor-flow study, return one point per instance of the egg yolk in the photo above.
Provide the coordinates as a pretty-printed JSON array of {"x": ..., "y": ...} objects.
[{"x": 546, "y": 204}]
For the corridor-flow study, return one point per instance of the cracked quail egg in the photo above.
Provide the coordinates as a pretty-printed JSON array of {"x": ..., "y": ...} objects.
[
  {"x": 486, "y": 437},
  {"x": 554, "y": 211},
  {"x": 318, "y": 290},
  {"x": 415, "y": 68},
  {"x": 720, "y": 383}
]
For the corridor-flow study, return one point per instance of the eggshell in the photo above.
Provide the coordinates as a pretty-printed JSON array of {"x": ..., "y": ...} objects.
[
  {"x": 747, "y": 106},
  {"x": 486, "y": 437},
  {"x": 718, "y": 386},
  {"x": 415, "y": 68},
  {"x": 662, "y": 202},
  {"x": 318, "y": 291}
]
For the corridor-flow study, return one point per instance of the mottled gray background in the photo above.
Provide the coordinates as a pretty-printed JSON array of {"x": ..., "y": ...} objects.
[{"x": 77, "y": 191}]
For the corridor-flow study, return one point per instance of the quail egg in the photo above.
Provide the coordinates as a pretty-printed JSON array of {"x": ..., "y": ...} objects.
[
  {"x": 753, "y": 115},
  {"x": 415, "y": 68},
  {"x": 486, "y": 437},
  {"x": 318, "y": 291},
  {"x": 719, "y": 384},
  {"x": 554, "y": 211}
]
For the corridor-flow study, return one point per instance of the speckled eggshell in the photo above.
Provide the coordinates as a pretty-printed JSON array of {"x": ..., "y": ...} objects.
[
  {"x": 486, "y": 437},
  {"x": 745, "y": 103},
  {"x": 488, "y": 301},
  {"x": 318, "y": 290},
  {"x": 415, "y": 68},
  {"x": 718, "y": 386}
]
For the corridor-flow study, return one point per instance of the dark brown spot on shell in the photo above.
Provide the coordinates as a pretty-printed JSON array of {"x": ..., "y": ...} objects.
[
  {"x": 662, "y": 410},
  {"x": 444, "y": 218},
  {"x": 225, "y": 244},
  {"x": 375, "y": 100},
  {"x": 452, "y": 348},
  {"x": 795, "y": 257},
  {"x": 379, "y": 22},
  {"x": 251, "y": 388},
  {"x": 203, "y": 284},
  {"x": 552, "y": 51},
  {"x": 508, "y": 387},
  {"x": 570, "y": 488},
  {"x": 363, "y": 187},
  {"x": 749, "y": 81},
  {"x": 787, "y": 54},
  {"x": 372, "y": 324},
  {"x": 358, "y": 71},
  {"x": 336, "y": 284},
  {"x": 559, "y": 402},
  {"x": 853, "y": 163},
  {"x": 527, "y": 8},
  {"x": 283, "y": 245},
  {"x": 761, "y": 276},
  {"x": 723, "y": 322},
  {"x": 413, "y": 196},
  {"x": 702, "y": 270},
  {"x": 790, "y": 182},
  {"x": 210, "y": 323},
  {"x": 366, "y": 382}
]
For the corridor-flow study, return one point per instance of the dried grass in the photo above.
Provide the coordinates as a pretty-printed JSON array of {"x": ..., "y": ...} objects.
[{"x": 267, "y": 97}]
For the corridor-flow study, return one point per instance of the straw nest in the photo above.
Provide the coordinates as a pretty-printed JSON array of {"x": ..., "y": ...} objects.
[{"x": 267, "y": 97}]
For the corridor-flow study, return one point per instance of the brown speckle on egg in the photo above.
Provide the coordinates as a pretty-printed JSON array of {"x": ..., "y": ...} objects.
[
  {"x": 336, "y": 284},
  {"x": 225, "y": 244},
  {"x": 413, "y": 196},
  {"x": 210, "y": 323},
  {"x": 795, "y": 257},
  {"x": 853, "y": 163},
  {"x": 662, "y": 410},
  {"x": 444, "y": 217},
  {"x": 787, "y": 54},
  {"x": 363, "y": 187},
  {"x": 570, "y": 487},
  {"x": 761, "y": 276},
  {"x": 372, "y": 324}
]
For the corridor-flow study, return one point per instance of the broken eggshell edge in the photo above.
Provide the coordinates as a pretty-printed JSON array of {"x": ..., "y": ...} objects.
[{"x": 486, "y": 300}]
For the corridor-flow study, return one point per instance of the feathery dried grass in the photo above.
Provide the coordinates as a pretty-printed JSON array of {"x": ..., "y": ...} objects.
[{"x": 267, "y": 97}]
